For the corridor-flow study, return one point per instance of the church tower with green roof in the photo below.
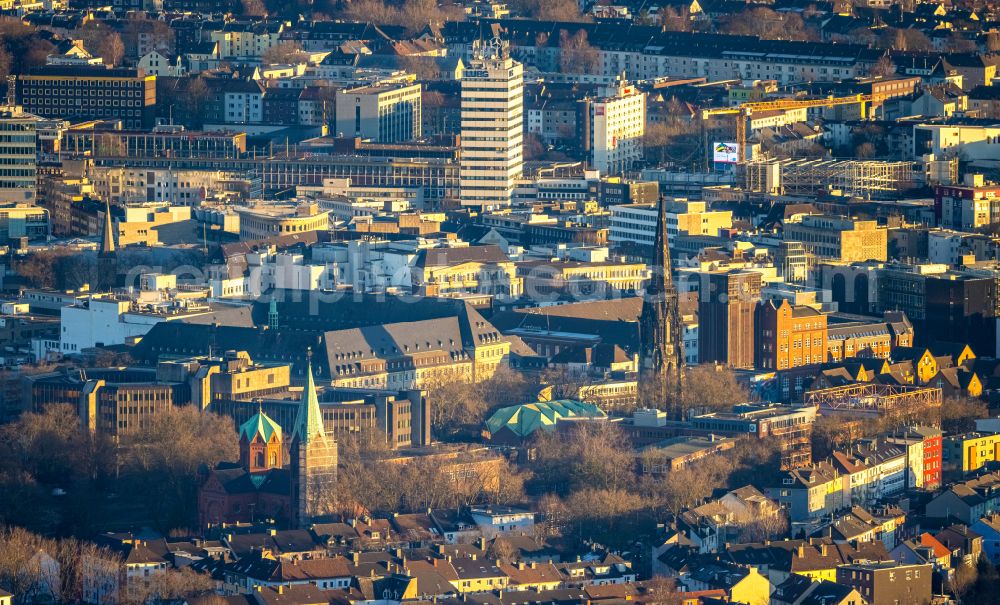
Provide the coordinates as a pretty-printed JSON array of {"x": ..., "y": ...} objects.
[
  {"x": 261, "y": 444},
  {"x": 313, "y": 457}
]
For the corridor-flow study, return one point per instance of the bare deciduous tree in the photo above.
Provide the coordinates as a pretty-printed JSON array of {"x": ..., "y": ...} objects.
[
  {"x": 576, "y": 55},
  {"x": 282, "y": 53}
]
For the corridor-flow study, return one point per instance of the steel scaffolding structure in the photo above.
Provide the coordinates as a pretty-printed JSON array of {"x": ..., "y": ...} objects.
[
  {"x": 874, "y": 399},
  {"x": 867, "y": 179}
]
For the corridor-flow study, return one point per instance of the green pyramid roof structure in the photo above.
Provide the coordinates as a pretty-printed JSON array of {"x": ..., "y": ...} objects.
[{"x": 526, "y": 418}]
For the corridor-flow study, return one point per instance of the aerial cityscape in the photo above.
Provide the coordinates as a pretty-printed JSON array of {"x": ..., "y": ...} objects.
[{"x": 499, "y": 302}]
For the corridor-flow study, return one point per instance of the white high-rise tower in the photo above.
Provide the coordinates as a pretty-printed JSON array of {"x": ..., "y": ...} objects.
[{"x": 492, "y": 125}]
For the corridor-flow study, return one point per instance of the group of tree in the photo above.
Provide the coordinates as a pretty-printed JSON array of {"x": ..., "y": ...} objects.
[
  {"x": 416, "y": 484},
  {"x": 39, "y": 569},
  {"x": 762, "y": 22},
  {"x": 66, "y": 268},
  {"x": 60, "y": 479},
  {"x": 101, "y": 41},
  {"x": 21, "y": 48},
  {"x": 459, "y": 407},
  {"x": 590, "y": 486},
  {"x": 414, "y": 15},
  {"x": 956, "y": 414},
  {"x": 576, "y": 55},
  {"x": 705, "y": 388},
  {"x": 675, "y": 140},
  {"x": 549, "y": 10}
]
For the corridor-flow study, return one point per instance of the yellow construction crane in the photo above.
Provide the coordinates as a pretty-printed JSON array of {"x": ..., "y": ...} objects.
[{"x": 745, "y": 110}]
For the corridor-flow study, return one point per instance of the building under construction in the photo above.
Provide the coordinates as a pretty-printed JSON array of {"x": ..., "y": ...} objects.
[
  {"x": 875, "y": 400},
  {"x": 866, "y": 179}
]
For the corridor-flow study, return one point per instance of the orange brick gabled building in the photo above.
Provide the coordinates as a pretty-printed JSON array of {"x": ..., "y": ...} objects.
[{"x": 789, "y": 336}]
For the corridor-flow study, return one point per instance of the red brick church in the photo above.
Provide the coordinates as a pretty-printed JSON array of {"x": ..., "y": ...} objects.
[{"x": 291, "y": 483}]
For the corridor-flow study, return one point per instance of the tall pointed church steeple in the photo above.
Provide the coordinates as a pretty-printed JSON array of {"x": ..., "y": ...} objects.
[
  {"x": 107, "y": 261},
  {"x": 661, "y": 339},
  {"x": 108, "y": 232},
  {"x": 309, "y": 421},
  {"x": 313, "y": 455}
]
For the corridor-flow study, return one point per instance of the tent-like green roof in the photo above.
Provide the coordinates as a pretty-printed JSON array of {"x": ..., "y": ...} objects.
[
  {"x": 260, "y": 423},
  {"x": 526, "y": 418}
]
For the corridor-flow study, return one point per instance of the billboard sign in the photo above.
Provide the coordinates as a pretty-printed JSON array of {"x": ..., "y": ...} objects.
[{"x": 725, "y": 153}]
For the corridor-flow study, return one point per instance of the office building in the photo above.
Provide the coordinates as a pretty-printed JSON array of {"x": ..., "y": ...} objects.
[
  {"x": 726, "y": 318},
  {"x": 791, "y": 259},
  {"x": 841, "y": 238},
  {"x": 268, "y": 220},
  {"x": 492, "y": 126},
  {"x": 943, "y": 305},
  {"x": 18, "y": 143},
  {"x": 386, "y": 113},
  {"x": 89, "y": 93},
  {"x": 636, "y": 223},
  {"x": 789, "y": 336},
  {"x": 106, "y": 397},
  {"x": 23, "y": 220},
  {"x": 790, "y": 427}
]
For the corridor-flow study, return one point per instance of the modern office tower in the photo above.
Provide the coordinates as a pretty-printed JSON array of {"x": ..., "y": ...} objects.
[
  {"x": 18, "y": 168},
  {"x": 383, "y": 113},
  {"x": 492, "y": 126}
]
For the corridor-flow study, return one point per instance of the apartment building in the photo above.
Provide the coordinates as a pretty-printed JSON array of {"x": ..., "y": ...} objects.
[
  {"x": 967, "y": 207},
  {"x": 923, "y": 455},
  {"x": 649, "y": 52},
  {"x": 969, "y": 452},
  {"x": 873, "y": 470},
  {"x": 492, "y": 126},
  {"x": 888, "y": 583},
  {"x": 246, "y": 39},
  {"x": 812, "y": 492}
]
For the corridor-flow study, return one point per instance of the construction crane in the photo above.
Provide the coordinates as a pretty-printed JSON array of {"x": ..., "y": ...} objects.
[{"x": 745, "y": 110}]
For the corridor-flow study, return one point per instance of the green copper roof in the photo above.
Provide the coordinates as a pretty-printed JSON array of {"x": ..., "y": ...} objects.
[
  {"x": 527, "y": 418},
  {"x": 260, "y": 424},
  {"x": 309, "y": 422}
]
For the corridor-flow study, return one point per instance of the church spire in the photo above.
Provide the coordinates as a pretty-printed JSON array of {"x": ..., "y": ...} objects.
[
  {"x": 660, "y": 335},
  {"x": 313, "y": 457},
  {"x": 661, "y": 280},
  {"x": 108, "y": 232},
  {"x": 309, "y": 422}
]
